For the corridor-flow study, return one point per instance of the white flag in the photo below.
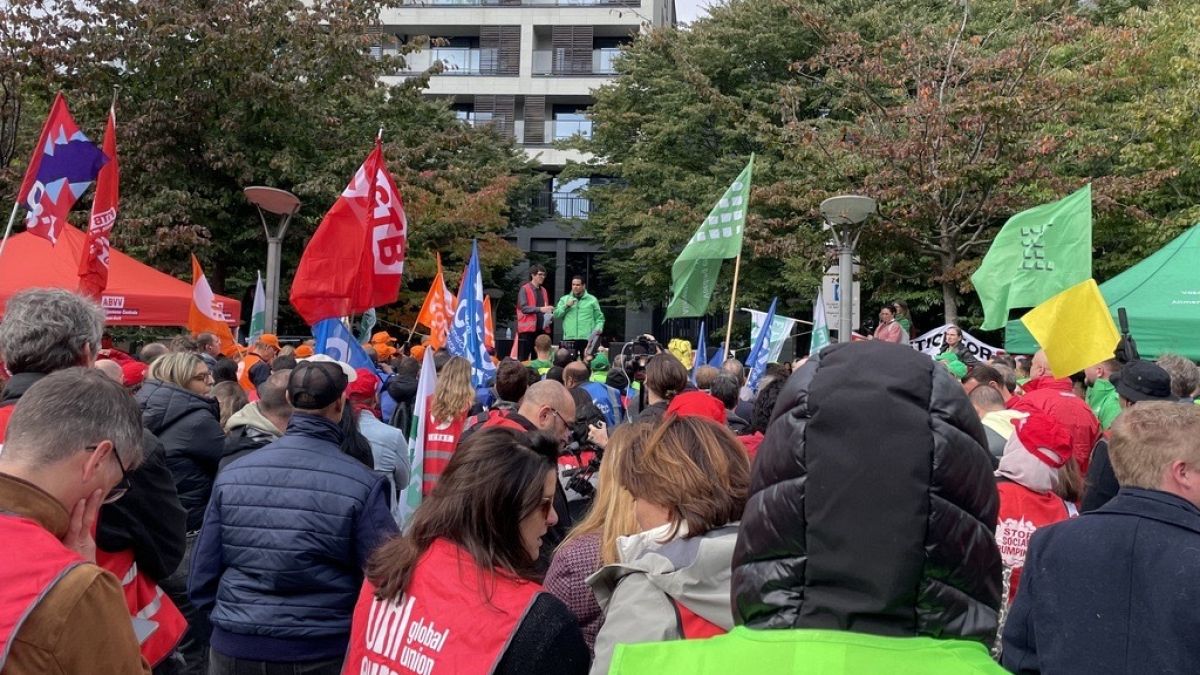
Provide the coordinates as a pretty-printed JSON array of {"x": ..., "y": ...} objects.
[
  {"x": 410, "y": 497},
  {"x": 781, "y": 328},
  {"x": 258, "y": 313},
  {"x": 820, "y": 329}
]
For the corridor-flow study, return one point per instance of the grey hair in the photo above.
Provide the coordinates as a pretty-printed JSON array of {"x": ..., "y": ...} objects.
[
  {"x": 175, "y": 368},
  {"x": 67, "y": 411},
  {"x": 1185, "y": 376},
  {"x": 46, "y": 329}
]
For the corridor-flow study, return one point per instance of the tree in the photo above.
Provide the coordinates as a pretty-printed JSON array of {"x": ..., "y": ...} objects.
[{"x": 216, "y": 95}]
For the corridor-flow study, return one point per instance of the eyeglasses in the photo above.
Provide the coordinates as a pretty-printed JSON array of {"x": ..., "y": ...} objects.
[
  {"x": 546, "y": 506},
  {"x": 559, "y": 415},
  {"x": 122, "y": 486},
  {"x": 206, "y": 376}
]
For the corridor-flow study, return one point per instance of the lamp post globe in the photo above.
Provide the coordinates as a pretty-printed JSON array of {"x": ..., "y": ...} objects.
[{"x": 285, "y": 205}]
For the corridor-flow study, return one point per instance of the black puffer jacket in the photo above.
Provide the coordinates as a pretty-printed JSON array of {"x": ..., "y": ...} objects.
[
  {"x": 189, "y": 427},
  {"x": 873, "y": 506}
]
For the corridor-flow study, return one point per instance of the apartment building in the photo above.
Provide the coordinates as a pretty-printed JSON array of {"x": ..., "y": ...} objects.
[{"x": 529, "y": 67}]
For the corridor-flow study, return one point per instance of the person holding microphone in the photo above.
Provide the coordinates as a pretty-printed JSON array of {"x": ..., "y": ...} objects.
[{"x": 579, "y": 314}]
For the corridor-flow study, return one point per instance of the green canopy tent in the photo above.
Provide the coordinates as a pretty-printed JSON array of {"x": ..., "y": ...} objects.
[{"x": 1161, "y": 297}]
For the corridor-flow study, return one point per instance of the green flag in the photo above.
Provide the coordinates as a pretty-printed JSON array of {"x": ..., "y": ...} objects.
[
  {"x": 1037, "y": 254},
  {"x": 694, "y": 274},
  {"x": 258, "y": 313},
  {"x": 820, "y": 329}
]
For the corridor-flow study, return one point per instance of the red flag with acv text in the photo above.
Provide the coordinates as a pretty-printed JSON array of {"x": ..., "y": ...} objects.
[
  {"x": 355, "y": 259},
  {"x": 93, "y": 265}
]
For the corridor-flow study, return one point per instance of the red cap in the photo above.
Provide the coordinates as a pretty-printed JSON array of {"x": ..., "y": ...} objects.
[
  {"x": 133, "y": 373},
  {"x": 364, "y": 385},
  {"x": 1044, "y": 438},
  {"x": 697, "y": 403}
]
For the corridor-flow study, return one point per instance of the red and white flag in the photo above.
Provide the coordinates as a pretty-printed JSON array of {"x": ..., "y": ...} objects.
[
  {"x": 355, "y": 259},
  {"x": 93, "y": 265}
]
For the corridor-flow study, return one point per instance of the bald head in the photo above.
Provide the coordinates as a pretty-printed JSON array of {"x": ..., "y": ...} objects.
[
  {"x": 575, "y": 374},
  {"x": 111, "y": 369},
  {"x": 545, "y": 403},
  {"x": 1040, "y": 365}
]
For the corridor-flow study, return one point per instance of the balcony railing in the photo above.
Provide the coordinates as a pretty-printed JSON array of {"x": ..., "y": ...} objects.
[
  {"x": 554, "y": 62},
  {"x": 563, "y": 205},
  {"x": 521, "y": 3},
  {"x": 456, "y": 61}
]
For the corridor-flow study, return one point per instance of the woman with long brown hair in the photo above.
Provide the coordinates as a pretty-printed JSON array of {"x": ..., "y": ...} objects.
[
  {"x": 665, "y": 377},
  {"x": 593, "y": 542},
  {"x": 459, "y": 590},
  {"x": 444, "y": 417},
  {"x": 689, "y": 482}
]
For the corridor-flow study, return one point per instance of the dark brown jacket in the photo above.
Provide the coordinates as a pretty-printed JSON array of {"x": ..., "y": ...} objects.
[{"x": 82, "y": 625}]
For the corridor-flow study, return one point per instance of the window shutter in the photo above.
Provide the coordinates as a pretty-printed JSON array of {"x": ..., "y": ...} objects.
[
  {"x": 572, "y": 47},
  {"x": 535, "y": 120}
]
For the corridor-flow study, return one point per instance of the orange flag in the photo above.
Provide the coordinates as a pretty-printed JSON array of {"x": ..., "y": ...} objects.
[
  {"x": 489, "y": 325},
  {"x": 437, "y": 312},
  {"x": 206, "y": 314}
]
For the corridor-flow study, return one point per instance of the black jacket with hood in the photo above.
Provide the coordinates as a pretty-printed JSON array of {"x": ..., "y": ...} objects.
[
  {"x": 873, "y": 505},
  {"x": 190, "y": 429}
]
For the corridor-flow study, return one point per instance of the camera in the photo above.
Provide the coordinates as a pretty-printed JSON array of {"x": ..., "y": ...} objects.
[{"x": 1126, "y": 349}]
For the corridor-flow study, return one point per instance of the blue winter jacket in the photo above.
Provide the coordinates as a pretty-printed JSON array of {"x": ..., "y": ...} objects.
[
  {"x": 1113, "y": 591},
  {"x": 287, "y": 533}
]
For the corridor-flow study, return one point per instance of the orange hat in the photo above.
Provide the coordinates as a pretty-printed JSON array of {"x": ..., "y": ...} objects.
[
  {"x": 304, "y": 351},
  {"x": 382, "y": 338},
  {"x": 269, "y": 339},
  {"x": 385, "y": 352},
  {"x": 418, "y": 352}
]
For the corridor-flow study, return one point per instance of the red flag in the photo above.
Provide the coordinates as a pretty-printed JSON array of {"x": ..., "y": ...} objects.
[
  {"x": 93, "y": 266},
  {"x": 356, "y": 258},
  {"x": 62, "y": 167}
]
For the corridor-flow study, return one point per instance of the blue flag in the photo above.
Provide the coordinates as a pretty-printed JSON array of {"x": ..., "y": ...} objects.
[
  {"x": 761, "y": 352},
  {"x": 465, "y": 337},
  {"x": 718, "y": 357},
  {"x": 335, "y": 341},
  {"x": 701, "y": 353}
]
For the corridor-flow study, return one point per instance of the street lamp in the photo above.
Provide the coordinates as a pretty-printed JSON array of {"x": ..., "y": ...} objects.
[
  {"x": 285, "y": 205},
  {"x": 843, "y": 216}
]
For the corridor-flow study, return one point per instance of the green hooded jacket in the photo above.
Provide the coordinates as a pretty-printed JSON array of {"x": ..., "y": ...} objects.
[
  {"x": 1103, "y": 400},
  {"x": 805, "y": 651},
  {"x": 580, "y": 320}
]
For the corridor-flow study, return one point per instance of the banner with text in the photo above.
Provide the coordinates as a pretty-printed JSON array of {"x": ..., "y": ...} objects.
[{"x": 931, "y": 343}]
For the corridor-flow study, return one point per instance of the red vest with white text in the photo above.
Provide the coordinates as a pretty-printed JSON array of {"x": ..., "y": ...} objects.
[
  {"x": 528, "y": 323},
  {"x": 32, "y": 561},
  {"x": 443, "y": 622},
  {"x": 1022, "y": 512},
  {"x": 441, "y": 438},
  {"x": 146, "y": 603}
]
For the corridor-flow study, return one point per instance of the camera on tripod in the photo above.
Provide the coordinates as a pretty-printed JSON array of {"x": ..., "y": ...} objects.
[{"x": 587, "y": 455}]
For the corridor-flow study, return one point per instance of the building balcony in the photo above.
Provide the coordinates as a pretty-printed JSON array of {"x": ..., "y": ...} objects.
[
  {"x": 554, "y": 63},
  {"x": 562, "y": 205},
  {"x": 520, "y": 3},
  {"x": 456, "y": 61}
]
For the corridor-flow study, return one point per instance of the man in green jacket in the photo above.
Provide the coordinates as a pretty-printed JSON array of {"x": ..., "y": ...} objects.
[
  {"x": 1101, "y": 393},
  {"x": 578, "y": 312}
]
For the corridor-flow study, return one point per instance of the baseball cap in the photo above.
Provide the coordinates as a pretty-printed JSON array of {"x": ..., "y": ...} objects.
[
  {"x": 600, "y": 362},
  {"x": 697, "y": 404},
  {"x": 1143, "y": 381},
  {"x": 317, "y": 382},
  {"x": 303, "y": 352},
  {"x": 364, "y": 384},
  {"x": 382, "y": 337},
  {"x": 269, "y": 339}
]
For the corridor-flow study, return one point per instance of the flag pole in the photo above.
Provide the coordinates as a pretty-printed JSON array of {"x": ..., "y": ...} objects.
[
  {"x": 737, "y": 266},
  {"x": 8, "y": 229}
]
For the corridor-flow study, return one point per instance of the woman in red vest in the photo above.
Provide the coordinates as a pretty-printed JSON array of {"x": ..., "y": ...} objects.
[
  {"x": 444, "y": 417},
  {"x": 689, "y": 483},
  {"x": 458, "y": 593},
  {"x": 1034, "y": 471}
]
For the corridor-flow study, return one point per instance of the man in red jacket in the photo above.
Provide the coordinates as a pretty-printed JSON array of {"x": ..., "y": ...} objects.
[
  {"x": 534, "y": 312},
  {"x": 1056, "y": 397}
]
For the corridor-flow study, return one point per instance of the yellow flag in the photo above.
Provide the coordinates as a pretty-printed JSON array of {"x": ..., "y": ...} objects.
[{"x": 1074, "y": 328}]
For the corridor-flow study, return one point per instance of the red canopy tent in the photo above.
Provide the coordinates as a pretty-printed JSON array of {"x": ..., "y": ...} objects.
[{"x": 137, "y": 294}]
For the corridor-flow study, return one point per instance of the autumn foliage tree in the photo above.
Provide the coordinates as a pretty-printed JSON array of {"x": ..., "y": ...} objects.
[{"x": 217, "y": 95}]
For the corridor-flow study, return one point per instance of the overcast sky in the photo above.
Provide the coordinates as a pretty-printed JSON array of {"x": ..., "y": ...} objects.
[{"x": 687, "y": 11}]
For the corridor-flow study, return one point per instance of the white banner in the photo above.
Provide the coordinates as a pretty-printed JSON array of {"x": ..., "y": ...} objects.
[
  {"x": 781, "y": 328},
  {"x": 931, "y": 343}
]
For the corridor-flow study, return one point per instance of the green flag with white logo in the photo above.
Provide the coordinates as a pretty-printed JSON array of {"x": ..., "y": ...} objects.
[
  {"x": 694, "y": 274},
  {"x": 1037, "y": 254}
]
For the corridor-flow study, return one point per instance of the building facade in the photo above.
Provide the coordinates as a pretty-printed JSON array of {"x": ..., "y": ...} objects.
[{"x": 528, "y": 68}]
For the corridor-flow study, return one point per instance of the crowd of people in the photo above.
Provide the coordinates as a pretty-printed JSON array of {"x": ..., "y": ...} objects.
[{"x": 867, "y": 509}]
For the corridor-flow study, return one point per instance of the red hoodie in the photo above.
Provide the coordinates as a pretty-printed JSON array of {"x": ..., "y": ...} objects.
[{"x": 1057, "y": 398}]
